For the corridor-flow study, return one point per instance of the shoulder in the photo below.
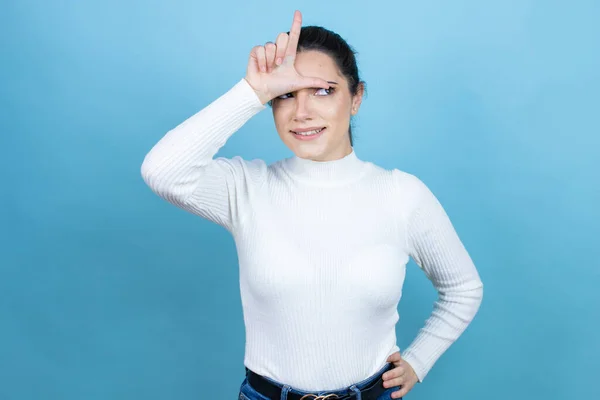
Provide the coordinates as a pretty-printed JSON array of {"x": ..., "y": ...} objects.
[
  {"x": 403, "y": 182},
  {"x": 277, "y": 169},
  {"x": 407, "y": 192},
  {"x": 255, "y": 164},
  {"x": 249, "y": 170},
  {"x": 409, "y": 183}
]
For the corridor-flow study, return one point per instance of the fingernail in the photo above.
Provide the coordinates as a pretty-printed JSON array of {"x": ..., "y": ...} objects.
[{"x": 279, "y": 61}]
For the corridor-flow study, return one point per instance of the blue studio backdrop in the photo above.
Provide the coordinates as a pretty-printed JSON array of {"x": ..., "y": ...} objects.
[{"x": 108, "y": 292}]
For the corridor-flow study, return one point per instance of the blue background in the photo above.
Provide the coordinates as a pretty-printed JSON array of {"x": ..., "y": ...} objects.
[{"x": 108, "y": 292}]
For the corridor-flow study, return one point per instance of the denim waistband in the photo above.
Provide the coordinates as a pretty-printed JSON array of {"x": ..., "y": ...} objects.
[{"x": 341, "y": 391}]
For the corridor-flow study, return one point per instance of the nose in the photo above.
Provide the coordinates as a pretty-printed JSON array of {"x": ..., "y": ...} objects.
[{"x": 302, "y": 111}]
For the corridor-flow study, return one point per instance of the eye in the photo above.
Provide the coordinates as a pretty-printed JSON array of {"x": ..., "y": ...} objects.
[
  {"x": 324, "y": 92},
  {"x": 285, "y": 96}
]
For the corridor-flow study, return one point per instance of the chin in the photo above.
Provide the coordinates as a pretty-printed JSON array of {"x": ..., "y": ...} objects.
[
  {"x": 308, "y": 152},
  {"x": 306, "y": 149}
]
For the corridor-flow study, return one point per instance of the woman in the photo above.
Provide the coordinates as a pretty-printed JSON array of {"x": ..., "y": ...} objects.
[{"x": 322, "y": 237}]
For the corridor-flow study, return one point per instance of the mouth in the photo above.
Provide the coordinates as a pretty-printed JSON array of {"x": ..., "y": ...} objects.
[{"x": 308, "y": 134}]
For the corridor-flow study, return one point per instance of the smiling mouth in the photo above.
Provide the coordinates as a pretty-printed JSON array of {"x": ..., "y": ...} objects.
[{"x": 309, "y": 133}]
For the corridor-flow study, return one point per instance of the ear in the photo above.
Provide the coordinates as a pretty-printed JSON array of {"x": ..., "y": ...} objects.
[{"x": 357, "y": 99}]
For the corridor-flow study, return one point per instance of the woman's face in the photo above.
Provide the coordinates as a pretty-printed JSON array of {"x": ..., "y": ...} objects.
[{"x": 327, "y": 111}]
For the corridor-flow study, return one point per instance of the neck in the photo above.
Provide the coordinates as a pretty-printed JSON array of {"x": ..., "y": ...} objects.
[
  {"x": 337, "y": 155},
  {"x": 337, "y": 171}
]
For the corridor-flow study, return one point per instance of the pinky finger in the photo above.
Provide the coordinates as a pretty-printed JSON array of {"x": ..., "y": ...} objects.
[{"x": 400, "y": 393}]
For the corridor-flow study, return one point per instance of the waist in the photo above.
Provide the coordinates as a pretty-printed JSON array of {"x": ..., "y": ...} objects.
[
  {"x": 370, "y": 388},
  {"x": 309, "y": 349},
  {"x": 334, "y": 360}
]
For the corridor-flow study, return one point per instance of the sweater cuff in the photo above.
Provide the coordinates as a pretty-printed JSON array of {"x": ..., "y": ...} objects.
[
  {"x": 420, "y": 369},
  {"x": 246, "y": 97}
]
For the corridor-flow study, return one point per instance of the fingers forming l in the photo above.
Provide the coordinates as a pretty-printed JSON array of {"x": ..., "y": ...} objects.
[{"x": 294, "y": 37}]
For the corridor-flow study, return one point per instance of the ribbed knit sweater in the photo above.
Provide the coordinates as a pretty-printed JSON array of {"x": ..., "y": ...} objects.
[{"x": 322, "y": 250}]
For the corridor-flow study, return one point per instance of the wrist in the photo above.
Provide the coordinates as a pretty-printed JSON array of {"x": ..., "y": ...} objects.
[{"x": 263, "y": 97}]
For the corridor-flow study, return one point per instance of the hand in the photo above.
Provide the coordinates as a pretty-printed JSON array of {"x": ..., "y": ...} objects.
[
  {"x": 402, "y": 375},
  {"x": 271, "y": 72}
]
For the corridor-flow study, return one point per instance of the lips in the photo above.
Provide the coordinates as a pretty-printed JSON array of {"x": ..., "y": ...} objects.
[
  {"x": 308, "y": 131},
  {"x": 311, "y": 133}
]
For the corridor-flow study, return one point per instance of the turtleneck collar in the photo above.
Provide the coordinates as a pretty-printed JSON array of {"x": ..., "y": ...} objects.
[{"x": 335, "y": 172}]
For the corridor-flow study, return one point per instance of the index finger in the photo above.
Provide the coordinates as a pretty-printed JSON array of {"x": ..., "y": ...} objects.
[{"x": 294, "y": 35}]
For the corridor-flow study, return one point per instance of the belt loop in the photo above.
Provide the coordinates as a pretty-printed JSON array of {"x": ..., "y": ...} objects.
[
  {"x": 284, "y": 391},
  {"x": 355, "y": 390}
]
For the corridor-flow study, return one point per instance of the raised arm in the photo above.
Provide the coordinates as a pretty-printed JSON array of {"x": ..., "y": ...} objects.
[{"x": 181, "y": 167}]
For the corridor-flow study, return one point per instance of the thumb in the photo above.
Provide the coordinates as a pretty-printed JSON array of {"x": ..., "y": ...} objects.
[{"x": 394, "y": 357}]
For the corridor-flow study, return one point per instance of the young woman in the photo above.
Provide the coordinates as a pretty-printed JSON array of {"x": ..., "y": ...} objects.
[{"x": 323, "y": 237}]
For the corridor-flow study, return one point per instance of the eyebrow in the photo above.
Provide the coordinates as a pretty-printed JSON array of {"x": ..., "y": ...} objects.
[{"x": 335, "y": 83}]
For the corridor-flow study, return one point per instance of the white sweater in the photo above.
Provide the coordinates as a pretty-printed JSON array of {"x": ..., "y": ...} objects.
[{"x": 322, "y": 249}]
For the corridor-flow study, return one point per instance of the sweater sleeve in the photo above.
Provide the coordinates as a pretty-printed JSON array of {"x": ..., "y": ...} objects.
[
  {"x": 180, "y": 168},
  {"x": 436, "y": 248}
]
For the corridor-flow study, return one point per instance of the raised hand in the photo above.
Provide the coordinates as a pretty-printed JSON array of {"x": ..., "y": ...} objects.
[{"x": 271, "y": 71}]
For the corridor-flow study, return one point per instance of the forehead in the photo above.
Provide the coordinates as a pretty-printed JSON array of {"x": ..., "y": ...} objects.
[{"x": 317, "y": 64}]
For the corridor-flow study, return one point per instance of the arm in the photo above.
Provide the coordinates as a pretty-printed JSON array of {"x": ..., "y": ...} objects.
[
  {"x": 437, "y": 249},
  {"x": 180, "y": 168}
]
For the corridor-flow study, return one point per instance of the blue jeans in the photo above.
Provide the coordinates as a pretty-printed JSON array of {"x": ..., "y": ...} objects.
[{"x": 247, "y": 392}]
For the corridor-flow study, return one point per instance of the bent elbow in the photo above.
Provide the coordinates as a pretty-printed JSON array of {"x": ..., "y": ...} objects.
[
  {"x": 478, "y": 294},
  {"x": 158, "y": 181},
  {"x": 149, "y": 174},
  {"x": 475, "y": 291}
]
